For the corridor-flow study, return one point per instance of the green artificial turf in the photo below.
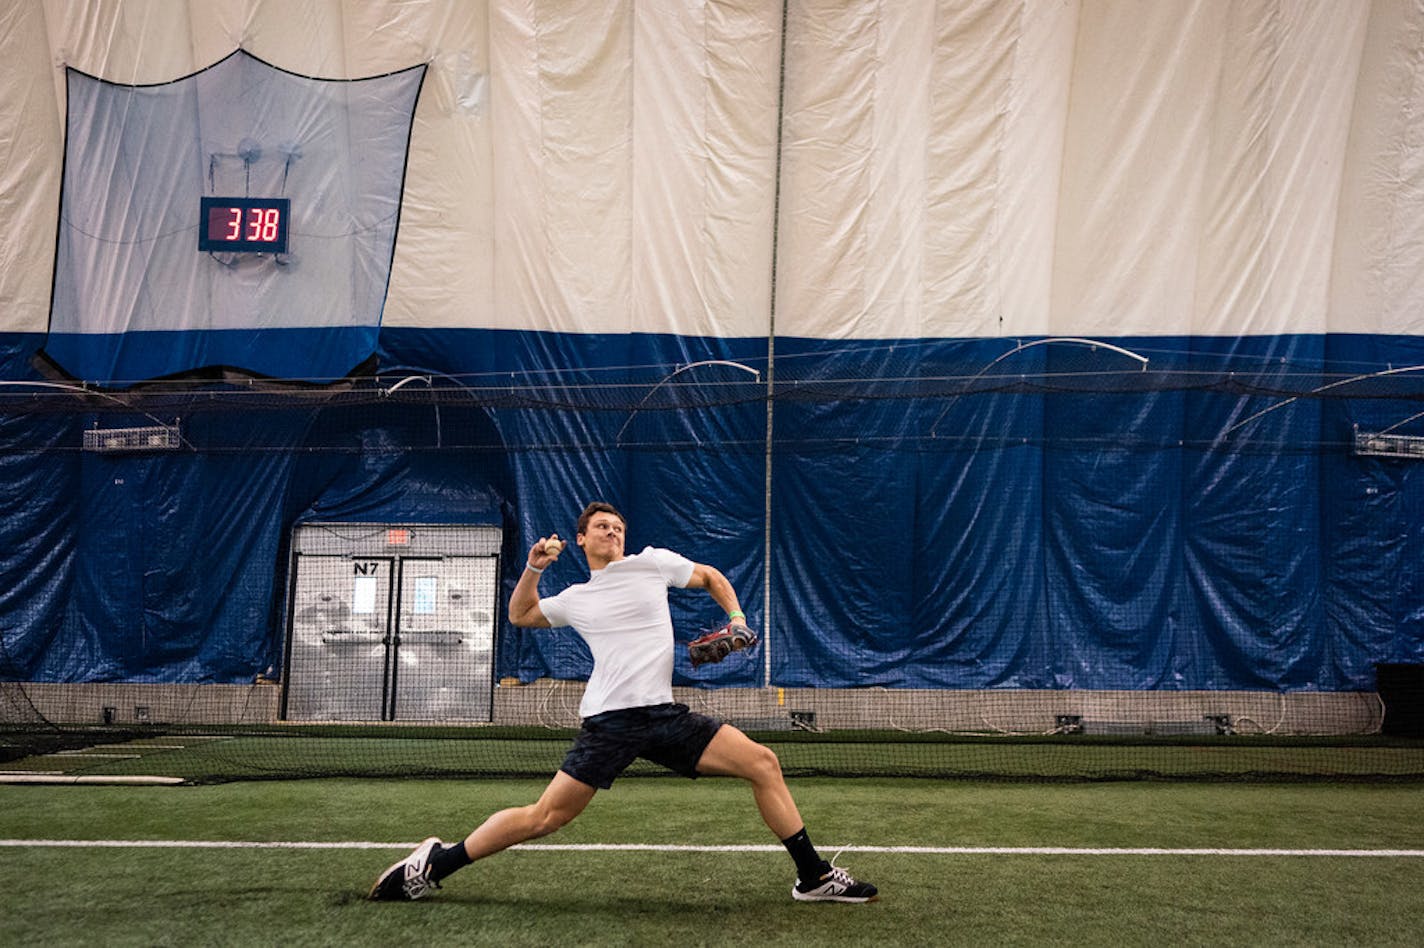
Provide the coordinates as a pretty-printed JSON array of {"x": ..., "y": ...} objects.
[{"x": 146, "y": 896}]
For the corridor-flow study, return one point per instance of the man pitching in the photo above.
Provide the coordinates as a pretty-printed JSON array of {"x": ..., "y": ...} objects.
[{"x": 628, "y": 712}]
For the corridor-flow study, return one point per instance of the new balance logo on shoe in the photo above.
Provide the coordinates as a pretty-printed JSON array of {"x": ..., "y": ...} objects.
[{"x": 835, "y": 886}]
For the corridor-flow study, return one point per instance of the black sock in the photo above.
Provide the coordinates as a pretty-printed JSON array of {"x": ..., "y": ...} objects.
[
  {"x": 809, "y": 864},
  {"x": 447, "y": 859}
]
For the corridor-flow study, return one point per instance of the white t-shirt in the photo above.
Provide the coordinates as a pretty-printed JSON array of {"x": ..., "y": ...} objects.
[{"x": 622, "y": 613}]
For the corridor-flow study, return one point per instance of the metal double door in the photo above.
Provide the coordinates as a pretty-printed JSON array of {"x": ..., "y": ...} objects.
[{"x": 391, "y": 638}]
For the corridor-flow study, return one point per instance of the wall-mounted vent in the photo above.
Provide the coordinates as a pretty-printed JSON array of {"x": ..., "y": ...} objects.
[{"x": 115, "y": 440}]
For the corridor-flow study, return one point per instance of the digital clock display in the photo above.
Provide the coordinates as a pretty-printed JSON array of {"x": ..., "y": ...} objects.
[{"x": 243, "y": 225}]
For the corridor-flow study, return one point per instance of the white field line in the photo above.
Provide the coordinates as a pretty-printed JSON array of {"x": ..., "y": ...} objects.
[
  {"x": 659, "y": 847},
  {"x": 61, "y": 778},
  {"x": 137, "y": 746}
]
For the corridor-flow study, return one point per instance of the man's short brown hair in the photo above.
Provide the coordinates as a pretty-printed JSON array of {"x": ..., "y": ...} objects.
[{"x": 598, "y": 506}]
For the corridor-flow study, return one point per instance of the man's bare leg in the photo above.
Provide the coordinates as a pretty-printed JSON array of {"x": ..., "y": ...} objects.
[
  {"x": 560, "y": 802},
  {"x": 733, "y": 754}
]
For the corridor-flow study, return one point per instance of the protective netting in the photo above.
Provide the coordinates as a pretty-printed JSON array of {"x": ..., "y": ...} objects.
[
  {"x": 189, "y": 733},
  {"x": 1244, "y": 400},
  {"x": 139, "y": 161},
  {"x": 1043, "y": 559}
]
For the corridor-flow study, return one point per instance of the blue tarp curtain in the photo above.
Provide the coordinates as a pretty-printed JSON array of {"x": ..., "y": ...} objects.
[{"x": 1068, "y": 539}]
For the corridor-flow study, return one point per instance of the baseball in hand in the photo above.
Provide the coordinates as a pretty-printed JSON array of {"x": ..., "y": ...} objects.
[{"x": 553, "y": 545}]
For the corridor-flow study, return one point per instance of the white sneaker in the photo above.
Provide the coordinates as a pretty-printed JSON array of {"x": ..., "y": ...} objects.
[{"x": 408, "y": 879}]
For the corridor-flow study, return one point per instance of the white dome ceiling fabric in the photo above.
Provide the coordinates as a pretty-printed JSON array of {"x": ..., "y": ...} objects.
[{"x": 952, "y": 169}]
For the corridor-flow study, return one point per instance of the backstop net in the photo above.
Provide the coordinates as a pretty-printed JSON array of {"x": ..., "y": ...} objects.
[{"x": 1054, "y": 559}]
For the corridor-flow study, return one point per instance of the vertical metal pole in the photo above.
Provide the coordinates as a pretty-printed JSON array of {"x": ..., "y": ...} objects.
[
  {"x": 767, "y": 638},
  {"x": 393, "y": 638}
]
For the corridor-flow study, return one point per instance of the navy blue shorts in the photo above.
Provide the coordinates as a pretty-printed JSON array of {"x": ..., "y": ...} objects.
[{"x": 666, "y": 734}]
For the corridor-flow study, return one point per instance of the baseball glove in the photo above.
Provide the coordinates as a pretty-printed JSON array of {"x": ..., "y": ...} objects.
[{"x": 719, "y": 643}]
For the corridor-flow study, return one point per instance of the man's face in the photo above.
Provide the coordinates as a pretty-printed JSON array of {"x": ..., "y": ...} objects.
[{"x": 604, "y": 537}]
